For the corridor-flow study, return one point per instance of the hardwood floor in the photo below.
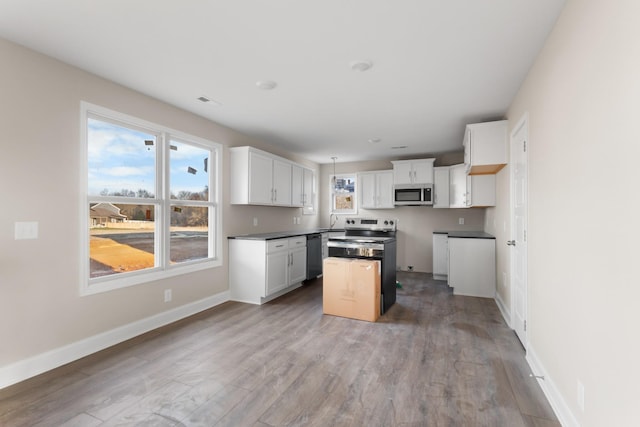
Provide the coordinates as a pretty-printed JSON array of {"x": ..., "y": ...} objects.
[{"x": 433, "y": 359}]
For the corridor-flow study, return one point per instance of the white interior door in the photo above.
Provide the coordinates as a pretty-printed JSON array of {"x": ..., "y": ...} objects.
[{"x": 519, "y": 202}]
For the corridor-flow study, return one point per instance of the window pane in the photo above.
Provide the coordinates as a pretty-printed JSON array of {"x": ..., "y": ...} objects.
[
  {"x": 344, "y": 184},
  {"x": 344, "y": 201},
  {"x": 121, "y": 161},
  {"x": 343, "y": 197},
  {"x": 189, "y": 179},
  {"x": 121, "y": 238},
  {"x": 189, "y": 233}
]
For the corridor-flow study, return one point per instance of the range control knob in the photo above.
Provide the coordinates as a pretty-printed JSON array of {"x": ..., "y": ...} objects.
[
  {"x": 386, "y": 222},
  {"x": 390, "y": 222}
]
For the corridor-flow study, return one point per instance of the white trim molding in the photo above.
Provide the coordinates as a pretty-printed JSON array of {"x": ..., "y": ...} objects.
[
  {"x": 36, "y": 365},
  {"x": 553, "y": 395},
  {"x": 506, "y": 314}
]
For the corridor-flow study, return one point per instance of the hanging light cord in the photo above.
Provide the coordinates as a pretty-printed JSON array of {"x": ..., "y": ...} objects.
[{"x": 333, "y": 184}]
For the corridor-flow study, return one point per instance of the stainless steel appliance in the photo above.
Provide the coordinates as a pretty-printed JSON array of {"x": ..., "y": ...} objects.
[
  {"x": 371, "y": 238},
  {"x": 314, "y": 255},
  {"x": 413, "y": 195}
]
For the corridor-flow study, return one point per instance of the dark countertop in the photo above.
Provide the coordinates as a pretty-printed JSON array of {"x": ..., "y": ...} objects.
[
  {"x": 467, "y": 234},
  {"x": 283, "y": 234}
]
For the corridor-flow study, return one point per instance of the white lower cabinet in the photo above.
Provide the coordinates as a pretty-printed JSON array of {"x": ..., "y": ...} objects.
[
  {"x": 260, "y": 270},
  {"x": 472, "y": 266},
  {"x": 440, "y": 256}
]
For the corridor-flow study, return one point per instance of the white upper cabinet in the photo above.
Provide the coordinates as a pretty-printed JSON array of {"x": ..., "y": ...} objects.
[
  {"x": 485, "y": 147},
  {"x": 297, "y": 186},
  {"x": 308, "y": 189},
  {"x": 481, "y": 191},
  {"x": 457, "y": 186},
  {"x": 281, "y": 182},
  {"x": 470, "y": 191},
  {"x": 258, "y": 168},
  {"x": 260, "y": 178},
  {"x": 441, "y": 187},
  {"x": 376, "y": 189},
  {"x": 413, "y": 172}
]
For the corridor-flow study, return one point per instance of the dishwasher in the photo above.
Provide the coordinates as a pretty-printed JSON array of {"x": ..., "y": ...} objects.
[{"x": 314, "y": 255}]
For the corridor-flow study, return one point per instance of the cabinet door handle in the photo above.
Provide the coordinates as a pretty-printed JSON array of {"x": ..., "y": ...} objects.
[{"x": 511, "y": 242}]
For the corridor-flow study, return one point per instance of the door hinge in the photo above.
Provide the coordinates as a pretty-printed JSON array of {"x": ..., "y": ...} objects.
[
  {"x": 524, "y": 146},
  {"x": 525, "y": 325}
]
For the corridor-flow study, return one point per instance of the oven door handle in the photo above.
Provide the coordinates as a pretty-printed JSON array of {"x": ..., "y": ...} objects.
[{"x": 374, "y": 246}]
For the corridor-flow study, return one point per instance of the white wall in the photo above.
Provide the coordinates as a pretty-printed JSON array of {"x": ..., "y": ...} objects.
[
  {"x": 416, "y": 224},
  {"x": 582, "y": 98},
  {"x": 41, "y": 311}
]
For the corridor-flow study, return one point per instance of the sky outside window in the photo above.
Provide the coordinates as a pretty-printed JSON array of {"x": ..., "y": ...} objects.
[{"x": 121, "y": 162}]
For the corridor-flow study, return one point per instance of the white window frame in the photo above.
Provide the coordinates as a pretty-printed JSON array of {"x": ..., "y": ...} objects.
[
  {"x": 332, "y": 193},
  {"x": 162, "y": 201}
]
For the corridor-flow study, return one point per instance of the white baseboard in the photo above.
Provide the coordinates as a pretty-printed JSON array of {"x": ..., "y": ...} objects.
[
  {"x": 506, "y": 314},
  {"x": 557, "y": 402},
  {"x": 36, "y": 365}
]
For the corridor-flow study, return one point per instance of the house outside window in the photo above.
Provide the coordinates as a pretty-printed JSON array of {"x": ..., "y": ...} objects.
[
  {"x": 343, "y": 193},
  {"x": 150, "y": 209}
]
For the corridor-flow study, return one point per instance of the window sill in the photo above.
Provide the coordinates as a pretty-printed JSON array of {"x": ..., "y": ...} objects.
[{"x": 100, "y": 285}]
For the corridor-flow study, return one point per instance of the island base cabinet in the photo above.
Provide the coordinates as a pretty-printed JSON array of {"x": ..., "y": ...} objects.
[
  {"x": 472, "y": 266},
  {"x": 351, "y": 288}
]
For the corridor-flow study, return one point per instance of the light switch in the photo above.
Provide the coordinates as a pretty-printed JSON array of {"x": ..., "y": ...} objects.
[{"x": 26, "y": 230}]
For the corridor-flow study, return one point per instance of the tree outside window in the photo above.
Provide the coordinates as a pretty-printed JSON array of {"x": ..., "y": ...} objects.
[{"x": 151, "y": 201}]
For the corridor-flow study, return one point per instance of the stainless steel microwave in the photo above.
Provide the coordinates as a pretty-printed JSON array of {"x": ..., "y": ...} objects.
[{"x": 413, "y": 195}]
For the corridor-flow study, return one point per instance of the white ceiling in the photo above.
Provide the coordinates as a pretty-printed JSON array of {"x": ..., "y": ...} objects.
[{"x": 437, "y": 64}]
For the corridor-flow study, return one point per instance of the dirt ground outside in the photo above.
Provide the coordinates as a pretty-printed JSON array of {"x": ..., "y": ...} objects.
[{"x": 117, "y": 251}]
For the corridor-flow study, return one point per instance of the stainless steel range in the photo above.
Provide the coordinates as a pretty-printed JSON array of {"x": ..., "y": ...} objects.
[{"x": 371, "y": 238}]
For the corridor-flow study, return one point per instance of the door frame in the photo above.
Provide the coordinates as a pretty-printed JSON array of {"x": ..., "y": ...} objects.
[{"x": 523, "y": 123}]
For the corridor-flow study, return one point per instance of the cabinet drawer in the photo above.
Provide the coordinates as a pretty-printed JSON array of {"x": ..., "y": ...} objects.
[
  {"x": 277, "y": 245},
  {"x": 298, "y": 242}
]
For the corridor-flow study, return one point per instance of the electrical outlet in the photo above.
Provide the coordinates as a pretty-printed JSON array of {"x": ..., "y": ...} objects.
[
  {"x": 26, "y": 230},
  {"x": 295, "y": 220},
  {"x": 461, "y": 221},
  {"x": 580, "y": 395},
  {"x": 167, "y": 295},
  {"x": 255, "y": 222}
]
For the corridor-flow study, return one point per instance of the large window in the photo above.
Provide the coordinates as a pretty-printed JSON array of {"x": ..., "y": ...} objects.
[
  {"x": 151, "y": 207},
  {"x": 343, "y": 194}
]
